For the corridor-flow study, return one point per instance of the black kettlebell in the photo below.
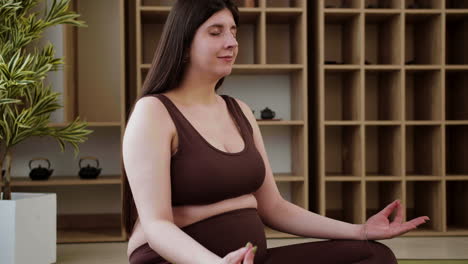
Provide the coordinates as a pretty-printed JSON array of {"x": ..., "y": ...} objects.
[
  {"x": 40, "y": 173},
  {"x": 89, "y": 172}
]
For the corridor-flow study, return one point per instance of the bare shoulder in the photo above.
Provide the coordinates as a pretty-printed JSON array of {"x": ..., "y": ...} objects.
[
  {"x": 246, "y": 110},
  {"x": 150, "y": 111}
]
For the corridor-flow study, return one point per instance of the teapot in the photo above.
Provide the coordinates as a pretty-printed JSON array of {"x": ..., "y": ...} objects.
[
  {"x": 89, "y": 172},
  {"x": 40, "y": 173},
  {"x": 267, "y": 113}
]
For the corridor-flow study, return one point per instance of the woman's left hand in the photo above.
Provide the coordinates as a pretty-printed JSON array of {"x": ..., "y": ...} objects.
[{"x": 379, "y": 227}]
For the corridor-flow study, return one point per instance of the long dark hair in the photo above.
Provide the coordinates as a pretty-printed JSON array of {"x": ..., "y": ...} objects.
[{"x": 168, "y": 65}]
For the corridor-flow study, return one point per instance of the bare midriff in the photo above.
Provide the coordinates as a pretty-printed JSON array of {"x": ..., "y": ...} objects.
[{"x": 186, "y": 215}]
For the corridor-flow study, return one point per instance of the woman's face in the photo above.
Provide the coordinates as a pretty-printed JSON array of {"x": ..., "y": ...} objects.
[{"x": 214, "y": 47}]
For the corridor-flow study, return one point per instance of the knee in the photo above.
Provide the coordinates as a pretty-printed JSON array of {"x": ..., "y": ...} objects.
[{"x": 382, "y": 253}]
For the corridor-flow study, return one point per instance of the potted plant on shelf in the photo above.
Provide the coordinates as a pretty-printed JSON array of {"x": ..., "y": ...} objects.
[{"x": 28, "y": 220}]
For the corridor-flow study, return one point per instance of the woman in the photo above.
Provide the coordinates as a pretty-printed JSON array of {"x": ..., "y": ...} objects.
[{"x": 199, "y": 184}]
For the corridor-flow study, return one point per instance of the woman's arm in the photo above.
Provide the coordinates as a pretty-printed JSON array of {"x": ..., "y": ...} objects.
[
  {"x": 298, "y": 221},
  {"x": 146, "y": 153},
  {"x": 284, "y": 216}
]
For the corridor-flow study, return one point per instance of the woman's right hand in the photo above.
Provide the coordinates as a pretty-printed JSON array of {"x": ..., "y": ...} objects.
[{"x": 243, "y": 255}]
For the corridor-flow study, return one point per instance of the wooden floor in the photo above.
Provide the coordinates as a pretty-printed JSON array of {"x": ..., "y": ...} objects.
[{"x": 407, "y": 250}]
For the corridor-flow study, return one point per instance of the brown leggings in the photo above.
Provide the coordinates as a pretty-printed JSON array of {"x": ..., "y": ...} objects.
[{"x": 230, "y": 231}]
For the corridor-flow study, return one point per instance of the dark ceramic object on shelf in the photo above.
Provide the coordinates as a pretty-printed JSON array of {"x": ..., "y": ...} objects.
[
  {"x": 367, "y": 62},
  {"x": 331, "y": 62},
  {"x": 40, "y": 173},
  {"x": 89, "y": 172},
  {"x": 267, "y": 113}
]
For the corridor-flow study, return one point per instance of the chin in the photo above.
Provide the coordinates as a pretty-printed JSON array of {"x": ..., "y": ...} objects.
[{"x": 224, "y": 72}]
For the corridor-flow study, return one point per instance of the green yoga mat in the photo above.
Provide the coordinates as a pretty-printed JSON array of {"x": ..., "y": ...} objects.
[{"x": 432, "y": 261}]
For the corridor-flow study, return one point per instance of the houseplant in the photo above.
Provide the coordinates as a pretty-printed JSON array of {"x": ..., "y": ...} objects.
[{"x": 26, "y": 104}]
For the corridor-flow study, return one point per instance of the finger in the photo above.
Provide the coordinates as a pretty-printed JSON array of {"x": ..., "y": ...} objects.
[
  {"x": 419, "y": 220},
  {"x": 387, "y": 211},
  {"x": 410, "y": 225},
  {"x": 249, "y": 256},
  {"x": 399, "y": 216},
  {"x": 236, "y": 256}
]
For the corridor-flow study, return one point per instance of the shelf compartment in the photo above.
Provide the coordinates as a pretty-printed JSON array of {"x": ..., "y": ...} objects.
[
  {"x": 287, "y": 48},
  {"x": 271, "y": 90},
  {"x": 94, "y": 82},
  {"x": 387, "y": 4},
  {"x": 457, "y": 199},
  {"x": 423, "y": 95},
  {"x": 246, "y": 3},
  {"x": 65, "y": 163},
  {"x": 383, "y": 37},
  {"x": 380, "y": 194},
  {"x": 293, "y": 192},
  {"x": 249, "y": 38},
  {"x": 457, "y": 150},
  {"x": 423, "y": 151},
  {"x": 67, "y": 180},
  {"x": 342, "y": 4},
  {"x": 152, "y": 24},
  {"x": 343, "y": 201},
  {"x": 342, "y": 38},
  {"x": 456, "y": 4},
  {"x": 423, "y": 4},
  {"x": 383, "y": 95},
  {"x": 424, "y": 198},
  {"x": 284, "y": 3},
  {"x": 157, "y": 2},
  {"x": 423, "y": 39},
  {"x": 343, "y": 151},
  {"x": 383, "y": 151},
  {"x": 456, "y": 95},
  {"x": 456, "y": 37},
  {"x": 342, "y": 94},
  {"x": 86, "y": 228}
]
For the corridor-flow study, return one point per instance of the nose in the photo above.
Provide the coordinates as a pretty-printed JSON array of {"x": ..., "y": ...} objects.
[{"x": 231, "y": 41}]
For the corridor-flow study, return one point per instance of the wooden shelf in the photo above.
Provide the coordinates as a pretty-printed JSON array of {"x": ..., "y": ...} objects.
[
  {"x": 378, "y": 178},
  {"x": 93, "y": 87},
  {"x": 341, "y": 4},
  {"x": 392, "y": 113},
  {"x": 90, "y": 235},
  {"x": 67, "y": 181},
  {"x": 283, "y": 177},
  {"x": 382, "y": 5},
  {"x": 281, "y": 123},
  {"x": 338, "y": 11},
  {"x": 90, "y": 124},
  {"x": 341, "y": 178}
]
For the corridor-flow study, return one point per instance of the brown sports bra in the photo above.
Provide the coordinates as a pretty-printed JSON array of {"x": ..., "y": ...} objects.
[{"x": 203, "y": 174}]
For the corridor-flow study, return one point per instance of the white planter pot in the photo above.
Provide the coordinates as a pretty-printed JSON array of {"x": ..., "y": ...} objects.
[{"x": 28, "y": 229}]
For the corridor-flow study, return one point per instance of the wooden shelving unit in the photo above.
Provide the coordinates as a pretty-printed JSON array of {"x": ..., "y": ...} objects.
[
  {"x": 93, "y": 87},
  {"x": 391, "y": 91},
  {"x": 262, "y": 53}
]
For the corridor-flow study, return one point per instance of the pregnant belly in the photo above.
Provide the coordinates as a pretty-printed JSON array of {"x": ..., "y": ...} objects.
[{"x": 186, "y": 215}]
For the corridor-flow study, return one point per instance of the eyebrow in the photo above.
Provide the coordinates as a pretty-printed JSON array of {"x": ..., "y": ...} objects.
[{"x": 222, "y": 26}]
